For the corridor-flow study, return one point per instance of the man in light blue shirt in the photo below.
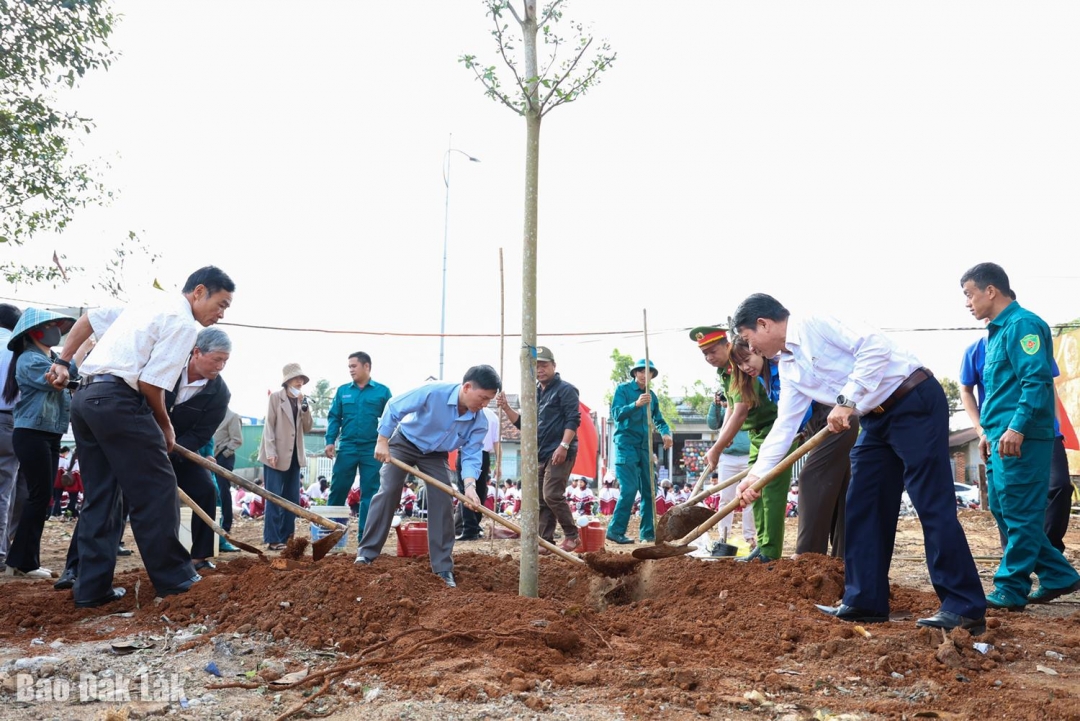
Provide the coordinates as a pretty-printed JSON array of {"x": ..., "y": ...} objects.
[{"x": 420, "y": 428}]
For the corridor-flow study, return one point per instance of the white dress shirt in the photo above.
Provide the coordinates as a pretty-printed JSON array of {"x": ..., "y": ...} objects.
[
  {"x": 148, "y": 342},
  {"x": 188, "y": 387},
  {"x": 825, "y": 358},
  {"x": 492, "y": 436}
]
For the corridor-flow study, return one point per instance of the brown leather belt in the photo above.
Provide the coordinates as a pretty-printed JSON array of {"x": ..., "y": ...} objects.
[{"x": 920, "y": 375}]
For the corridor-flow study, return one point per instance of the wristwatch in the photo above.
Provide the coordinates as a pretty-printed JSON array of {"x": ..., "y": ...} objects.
[
  {"x": 842, "y": 400},
  {"x": 565, "y": 446}
]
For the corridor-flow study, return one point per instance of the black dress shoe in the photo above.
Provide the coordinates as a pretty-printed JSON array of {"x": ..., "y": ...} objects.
[
  {"x": 948, "y": 621},
  {"x": 123, "y": 551},
  {"x": 855, "y": 615},
  {"x": 180, "y": 587},
  {"x": 205, "y": 565},
  {"x": 114, "y": 595},
  {"x": 447, "y": 576},
  {"x": 470, "y": 537},
  {"x": 67, "y": 580}
]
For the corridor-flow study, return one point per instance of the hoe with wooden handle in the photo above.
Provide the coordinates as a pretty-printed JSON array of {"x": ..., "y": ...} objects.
[
  {"x": 205, "y": 517},
  {"x": 667, "y": 551},
  {"x": 483, "y": 509},
  {"x": 318, "y": 549}
]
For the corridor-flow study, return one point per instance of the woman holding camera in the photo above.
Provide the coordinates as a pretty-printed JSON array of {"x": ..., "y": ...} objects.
[
  {"x": 288, "y": 418},
  {"x": 41, "y": 417}
]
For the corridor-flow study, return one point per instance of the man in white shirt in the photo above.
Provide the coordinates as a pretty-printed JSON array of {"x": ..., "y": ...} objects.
[
  {"x": 904, "y": 443},
  {"x": 138, "y": 357}
]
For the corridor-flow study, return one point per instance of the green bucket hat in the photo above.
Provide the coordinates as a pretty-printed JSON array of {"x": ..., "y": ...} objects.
[{"x": 640, "y": 366}]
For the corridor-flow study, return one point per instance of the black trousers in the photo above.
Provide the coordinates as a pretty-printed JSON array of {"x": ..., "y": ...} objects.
[
  {"x": 39, "y": 457},
  {"x": 466, "y": 522},
  {"x": 71, "y": 562},
  {"x": 195, "y": 481},
  {"x": 122, "y": 453},
  {"x": 1059, "y": 502},
  {"x": 225, "y": 490}
]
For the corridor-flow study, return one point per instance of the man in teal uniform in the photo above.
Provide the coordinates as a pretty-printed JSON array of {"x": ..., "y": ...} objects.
[
  {"x": 633, "y": 448},
  {"x": 1017, "y": 441},
  {"x": 354, "y": 416}
]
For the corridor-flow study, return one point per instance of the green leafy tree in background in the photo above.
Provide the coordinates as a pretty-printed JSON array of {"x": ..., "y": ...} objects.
[
  {"x": 952, "y": 393},
  {"x": 699, "y": 397},
  {"x": 572, "y": 67},
  {"x": 45, "y": 46},
  {"x": 321, "y": 400}
]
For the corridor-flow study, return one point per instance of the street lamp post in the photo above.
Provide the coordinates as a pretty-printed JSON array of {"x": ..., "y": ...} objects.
[{"x": 446, "y": 235}]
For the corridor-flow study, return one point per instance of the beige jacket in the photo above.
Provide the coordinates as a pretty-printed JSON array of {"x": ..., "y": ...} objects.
[{"x": 280, "y": 434}]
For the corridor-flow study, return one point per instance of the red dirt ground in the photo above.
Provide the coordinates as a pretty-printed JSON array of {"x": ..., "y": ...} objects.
[{"x": 681, "y": 637}]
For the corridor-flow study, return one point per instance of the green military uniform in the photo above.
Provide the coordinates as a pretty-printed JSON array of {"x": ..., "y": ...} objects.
[
  {"x": 771, "y": 509},
  {"x": 354, "y": 416},
  {"x": 633, "y": 466},
  {"x": 1020, "y": 397}
]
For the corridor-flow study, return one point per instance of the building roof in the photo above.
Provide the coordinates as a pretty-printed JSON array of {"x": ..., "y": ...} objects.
[{"x": 962, "y": 437}]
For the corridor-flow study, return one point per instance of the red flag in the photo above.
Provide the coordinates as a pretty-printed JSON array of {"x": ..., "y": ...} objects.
[
  {"x": 585, "y": 463},
  {"x": 1067, "y": 429}
]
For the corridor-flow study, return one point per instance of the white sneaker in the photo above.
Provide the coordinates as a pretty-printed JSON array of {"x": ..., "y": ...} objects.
[{"x": 36, "y": 573}]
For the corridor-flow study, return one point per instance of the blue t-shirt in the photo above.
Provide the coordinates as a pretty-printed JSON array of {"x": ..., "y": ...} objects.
[{"x": 971, "y": 373}]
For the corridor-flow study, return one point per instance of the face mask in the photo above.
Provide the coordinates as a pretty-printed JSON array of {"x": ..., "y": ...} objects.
[
  {"x": 294, "y": 392},
  {"x": 50, "y": 336}
]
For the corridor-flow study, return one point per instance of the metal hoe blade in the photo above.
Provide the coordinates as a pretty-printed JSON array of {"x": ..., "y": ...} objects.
[
  {"x": 679, "y": 521},
  {"x": 322, "y": 547}
]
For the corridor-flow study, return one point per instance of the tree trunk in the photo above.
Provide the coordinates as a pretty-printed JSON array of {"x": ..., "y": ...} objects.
[{"x": 530, "y": 483}]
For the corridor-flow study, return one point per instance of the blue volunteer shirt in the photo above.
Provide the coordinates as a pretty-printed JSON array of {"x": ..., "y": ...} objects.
[{"x": 428, "y": 417}]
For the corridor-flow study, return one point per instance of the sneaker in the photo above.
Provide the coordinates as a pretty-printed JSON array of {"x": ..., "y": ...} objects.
[
  {"x": 226, "y": 547},
  {"x": 37, "y": 573},
  {"x": 361, "y": 561},
  {"x": 618, "y": 538},
  {"x": 1046, "y": 595},
  {"x": 997, "y": 599}
]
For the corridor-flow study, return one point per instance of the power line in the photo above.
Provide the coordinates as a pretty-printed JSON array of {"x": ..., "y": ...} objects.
[{"x": 580, "y": 334}]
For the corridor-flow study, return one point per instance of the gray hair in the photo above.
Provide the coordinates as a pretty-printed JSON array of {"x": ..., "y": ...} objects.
[{"x": 213, "y": 340}]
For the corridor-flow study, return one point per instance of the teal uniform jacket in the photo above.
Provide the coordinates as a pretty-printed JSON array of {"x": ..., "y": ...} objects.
[
  {"x": 1020, "y": 397},
  {"x": 354, "y": 414},
  {"x": 1018, "y": 376},
  {"x": 630, "y": 419}
]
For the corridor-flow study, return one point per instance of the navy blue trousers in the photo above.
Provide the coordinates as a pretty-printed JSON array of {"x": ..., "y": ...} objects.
[
  {"x": 279, "y": 524},
  {"x": 907, "y": 446}
]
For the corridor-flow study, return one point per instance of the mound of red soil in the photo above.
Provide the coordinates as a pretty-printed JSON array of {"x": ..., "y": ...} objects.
[{"x": 684, "y": 633}]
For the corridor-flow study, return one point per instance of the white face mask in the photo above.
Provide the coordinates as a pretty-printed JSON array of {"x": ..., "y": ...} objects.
[{"x": 294, "y": 392}]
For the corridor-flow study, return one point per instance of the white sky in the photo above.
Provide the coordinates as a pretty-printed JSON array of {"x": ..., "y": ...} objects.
[{"x": 848, "y": 157}]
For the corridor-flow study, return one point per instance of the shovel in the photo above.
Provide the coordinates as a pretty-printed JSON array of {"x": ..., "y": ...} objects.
[
  {"x": 215, "y": 527},
  {"x": 684, "y": 517},
  {"x": 318, "y": 549},
  {"x": 483, "y": 509},
  {"x": 667, "y": 551}
]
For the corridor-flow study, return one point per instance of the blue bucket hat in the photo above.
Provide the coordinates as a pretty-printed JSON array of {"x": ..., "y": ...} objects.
[
  {"x": 33, "y": 318},
  {"x": 640, "y": 366}
]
